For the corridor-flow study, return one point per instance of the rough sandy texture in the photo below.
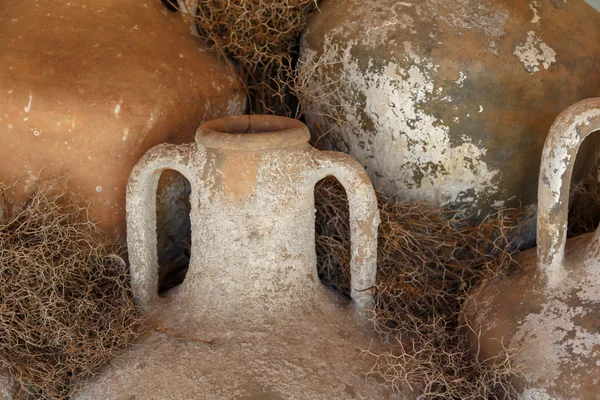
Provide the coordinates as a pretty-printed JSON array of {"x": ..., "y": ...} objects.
[
  {"x": 252, "y": 218},
  {"x": 309, "y": 354},
  {"x": 6, "y": 386},
  {"x": 252, "y": 289}
]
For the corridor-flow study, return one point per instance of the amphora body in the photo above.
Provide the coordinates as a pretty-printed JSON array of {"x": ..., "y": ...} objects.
[
  {"x": 550, "y": 310},
  {"x": 449, "y": 101},
  {"x": 251, "y": 319}
]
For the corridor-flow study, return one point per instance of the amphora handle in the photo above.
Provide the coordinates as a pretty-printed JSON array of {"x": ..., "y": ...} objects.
[
  {"x": 141, "y": 214},
  {"x": 364, "y": 220},
  {"x": 567, "y": 133}
]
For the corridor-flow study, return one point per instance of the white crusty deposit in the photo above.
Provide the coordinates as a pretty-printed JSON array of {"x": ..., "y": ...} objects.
[
  {"x": 420, "y": 158},
  {"x": 382, "y": 101},
  {"x": 534, "y": 53}
]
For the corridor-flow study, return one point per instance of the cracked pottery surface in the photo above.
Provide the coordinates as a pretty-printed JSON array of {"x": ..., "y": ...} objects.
[
  {"x": 450, "y": 101},
  {"x": 251, "y": 319},
  {"x": 88, "y": 87},
  {"x": 550, "y": 310}
]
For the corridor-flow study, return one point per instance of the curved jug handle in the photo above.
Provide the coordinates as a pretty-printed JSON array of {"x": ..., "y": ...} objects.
[
  {"x": 141, "y": 214},
  {"x": 567, "y": 133},
  {"x": 364, "y": 220}
]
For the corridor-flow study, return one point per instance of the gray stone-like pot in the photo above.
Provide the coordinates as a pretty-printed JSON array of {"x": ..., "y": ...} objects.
[{"x": 449, "y": 101}]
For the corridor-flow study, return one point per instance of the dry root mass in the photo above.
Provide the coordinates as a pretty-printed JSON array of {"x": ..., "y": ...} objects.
[
  {"x": 429, "y": 260},
  {"x": 261, "y": 36},
  {"x": 66, "y": 306}
]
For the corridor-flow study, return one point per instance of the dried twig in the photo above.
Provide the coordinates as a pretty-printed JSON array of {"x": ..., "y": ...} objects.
[{"x": 155, "y": 327}]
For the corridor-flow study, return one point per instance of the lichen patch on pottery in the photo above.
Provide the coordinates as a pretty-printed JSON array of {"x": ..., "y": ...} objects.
[{"x": 535, "y": 54}]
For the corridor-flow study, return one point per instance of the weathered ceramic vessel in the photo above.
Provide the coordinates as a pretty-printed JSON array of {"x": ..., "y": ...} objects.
[
  {"x": 449, "y": 101},
  {"x": 594, "y": 3},
  {"x": 6, "y": 385},
  {"x": 88, "y": 87},
  {"x": 252, "y": 318},
  {"x": 550, "y": 310}
]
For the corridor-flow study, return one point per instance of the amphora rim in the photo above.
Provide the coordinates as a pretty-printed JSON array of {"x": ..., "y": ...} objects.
[{"x": 252, "y": 132}]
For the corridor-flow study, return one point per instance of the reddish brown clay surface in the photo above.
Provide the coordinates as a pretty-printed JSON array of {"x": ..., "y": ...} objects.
[
  {"x": 556, "y": 332},
  {"x": 549, "y": 311},
  {"x": 88, "y": 87}
]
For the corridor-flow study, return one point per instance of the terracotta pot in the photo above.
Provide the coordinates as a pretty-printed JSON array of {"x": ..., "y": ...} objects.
[
  {"x": 550, "y": 310},
  {"x": 87, "y": 88},
  {"x": 450, "y": 101},
  {"x": 252, "y": 294}
]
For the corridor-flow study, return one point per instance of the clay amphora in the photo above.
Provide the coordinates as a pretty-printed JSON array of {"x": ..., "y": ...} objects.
[
  {"x": 449, "y": 101},
  {"x": 252, "y": 317},
  {"x": 550, "y": 310}
]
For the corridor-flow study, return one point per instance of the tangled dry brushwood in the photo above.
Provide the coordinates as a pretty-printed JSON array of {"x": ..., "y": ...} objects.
[
  {"x": 262, "y": 37},
  {"x": 428, "y": 260},
  {"x": 66, "y": 307}
]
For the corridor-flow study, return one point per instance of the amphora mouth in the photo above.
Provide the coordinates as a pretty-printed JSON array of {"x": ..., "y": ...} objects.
[{"x": 252, "y": 132}]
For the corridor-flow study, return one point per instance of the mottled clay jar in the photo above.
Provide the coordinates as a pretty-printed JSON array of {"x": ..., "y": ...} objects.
[
  {"x": 450, "y": 101},
  {"x": 261, "y": 323},
  {"x": 88, "y": 87},
  {"x": 550, "y": 310}
]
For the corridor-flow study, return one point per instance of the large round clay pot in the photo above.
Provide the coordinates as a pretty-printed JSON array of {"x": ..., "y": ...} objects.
[
  {"x": 252, "y": 318},
  {"x": 449, "y": 101},
  {"x": 550, "y": 309},
  {"x": 87, "y": 87}
]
